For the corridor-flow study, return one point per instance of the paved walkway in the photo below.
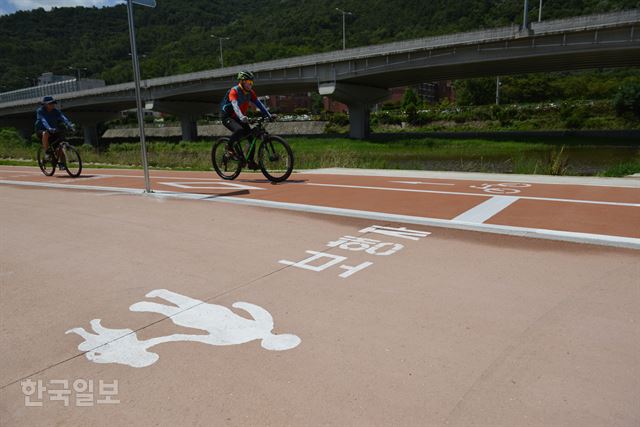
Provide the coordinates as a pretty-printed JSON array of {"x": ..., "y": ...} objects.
[{"x": 229, "y": 314}]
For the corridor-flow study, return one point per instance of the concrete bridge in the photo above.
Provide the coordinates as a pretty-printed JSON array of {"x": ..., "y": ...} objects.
[{"x": 361, "y": 76}]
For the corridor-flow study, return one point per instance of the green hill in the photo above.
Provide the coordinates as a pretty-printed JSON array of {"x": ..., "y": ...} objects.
[{"x": 174, "y": 37}]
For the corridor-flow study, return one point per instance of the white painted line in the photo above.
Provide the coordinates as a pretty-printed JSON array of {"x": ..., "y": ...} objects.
[
  {"x": 421, "y": 183},
  {"x": 191, "y": 178},
  {"x": 566, "y": 236},
  {"x": 74, "y": 187},
  {"x": 475, "y": 176},
  {"x": 459, "y": 193},
  {"x": 486, "y": 209},
  {"x": 122, "y": 175},
  {"x": 207, "y": 185}
]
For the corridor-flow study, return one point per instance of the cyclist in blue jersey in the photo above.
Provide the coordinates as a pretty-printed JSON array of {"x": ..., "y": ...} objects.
[
  {"x": 234, "y": 107},
  {"x": 47, "y": 118}
]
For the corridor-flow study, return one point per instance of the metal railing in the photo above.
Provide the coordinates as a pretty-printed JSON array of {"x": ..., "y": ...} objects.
[
  {"x": 65, "y": 86},
  {"x": 576, "y": 24}
]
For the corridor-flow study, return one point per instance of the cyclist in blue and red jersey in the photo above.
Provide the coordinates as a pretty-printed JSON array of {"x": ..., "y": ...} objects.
[{"x": 234, "y": 109}]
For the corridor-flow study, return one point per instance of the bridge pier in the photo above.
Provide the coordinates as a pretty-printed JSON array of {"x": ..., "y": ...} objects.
[
  {"x": 91, "y": 134},
  {"x": 187, "y": 112},
  {"x": 89, "y": 121},
  {"x": 359, "y": 100},
  {"x": 189, "y": 128},
  {"x": 359, "y": 120}
]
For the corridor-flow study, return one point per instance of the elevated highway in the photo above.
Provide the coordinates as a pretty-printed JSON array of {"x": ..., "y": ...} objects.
[{"x": 361, "y": 76}]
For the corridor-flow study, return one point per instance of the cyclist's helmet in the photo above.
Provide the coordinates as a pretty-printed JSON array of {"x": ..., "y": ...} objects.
[
  {"x": 245, "y": 75},
  {"x": 48, "y": 100}
]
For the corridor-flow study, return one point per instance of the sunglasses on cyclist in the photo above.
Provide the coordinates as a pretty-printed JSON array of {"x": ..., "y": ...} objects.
[{"x": 249, "y": 81}]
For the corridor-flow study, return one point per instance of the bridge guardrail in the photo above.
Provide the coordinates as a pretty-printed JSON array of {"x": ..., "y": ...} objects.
[{"x": 432, "y": 43}]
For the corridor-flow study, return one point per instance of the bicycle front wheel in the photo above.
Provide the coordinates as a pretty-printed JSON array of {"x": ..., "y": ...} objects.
[
  {"x": 73, "y": 162},
  {"x": 48, "y": 167},
  {"x": 275, "y": 159},
  {"x": 226, "y": 164}
]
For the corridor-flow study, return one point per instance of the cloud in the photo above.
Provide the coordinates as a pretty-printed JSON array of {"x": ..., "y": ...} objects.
[{"x": 33, "y": 4}]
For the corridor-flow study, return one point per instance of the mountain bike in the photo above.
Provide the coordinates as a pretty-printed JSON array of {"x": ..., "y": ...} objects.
[
  {"x": 62, "y": 155},
  {"x": 275, "y": 158}
]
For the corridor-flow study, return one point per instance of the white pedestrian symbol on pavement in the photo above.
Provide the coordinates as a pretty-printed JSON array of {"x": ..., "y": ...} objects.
[{"x": 222, "y": 325}]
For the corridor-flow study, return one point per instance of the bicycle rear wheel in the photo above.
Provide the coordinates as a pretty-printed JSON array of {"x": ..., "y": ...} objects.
[
  {"x": 73, "y": 162},
  {"x": 48, "y": 167},
  {"x": 275, "y": 159},
  {"x": 227, "y": 165}
]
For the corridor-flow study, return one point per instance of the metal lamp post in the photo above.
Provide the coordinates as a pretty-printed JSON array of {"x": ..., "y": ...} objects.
[
  {"x": 525, "y": 17},
  {"x": 540, "y": 12},
  {"x": 344, "y": 33},
  {"x": 220, "y": 39}
]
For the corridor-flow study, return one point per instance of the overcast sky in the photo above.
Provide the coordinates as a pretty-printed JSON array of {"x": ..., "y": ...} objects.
[{"x": 10, "y": 6}]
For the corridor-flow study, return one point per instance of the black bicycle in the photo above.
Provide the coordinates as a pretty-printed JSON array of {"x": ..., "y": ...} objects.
[
  {"x": 61, "y": 154},
  {"x": 275, "y": 158}
]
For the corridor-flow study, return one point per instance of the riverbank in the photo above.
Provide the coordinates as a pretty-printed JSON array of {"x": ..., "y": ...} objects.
[{"x": 566, "y": 156}]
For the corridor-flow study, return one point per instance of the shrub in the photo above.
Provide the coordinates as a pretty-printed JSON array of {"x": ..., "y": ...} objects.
[
  {"x": 412, "y": 113},
  {"x": 627, "y": 100},
  {"x": 339, "y": 119},
  {"x": 575, "y": 117},
  {"x": 423, "y": 118}
]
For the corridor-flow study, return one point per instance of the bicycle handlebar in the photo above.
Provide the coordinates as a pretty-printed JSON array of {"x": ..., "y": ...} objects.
[{"x": 261, "y": 120}]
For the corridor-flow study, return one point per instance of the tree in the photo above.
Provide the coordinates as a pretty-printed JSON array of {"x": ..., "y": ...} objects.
[
  {"x": 317, "y": 103},
  {"x": 627, "y": 100},
  {"x": 175, "y": 35},
  {"x": 481, "y": 91},
  {"x": 409, "y": 98}
]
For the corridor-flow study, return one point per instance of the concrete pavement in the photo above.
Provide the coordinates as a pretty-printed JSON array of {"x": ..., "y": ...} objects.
[{"x": 425, "y": 326}]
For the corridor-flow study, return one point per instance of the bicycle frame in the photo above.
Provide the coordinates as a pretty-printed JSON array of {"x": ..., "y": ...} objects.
[
  {"x": 256, "y": 135},
  {"x": 57, "y": 147}
]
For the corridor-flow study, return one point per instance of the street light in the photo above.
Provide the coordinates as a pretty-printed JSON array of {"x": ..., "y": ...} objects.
[
  {"x": 540, "y": 12},
  {"x": 344, "y": 37},
  {"x": 525, "y": 17},
  {"x": 220, "y": 38}
]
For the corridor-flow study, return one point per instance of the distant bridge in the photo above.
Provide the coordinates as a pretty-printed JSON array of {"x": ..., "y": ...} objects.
[{"x": 361, "y": 76}]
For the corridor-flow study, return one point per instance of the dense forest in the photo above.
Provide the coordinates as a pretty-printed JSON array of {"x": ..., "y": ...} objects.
[{"x": 175, "y": 36}]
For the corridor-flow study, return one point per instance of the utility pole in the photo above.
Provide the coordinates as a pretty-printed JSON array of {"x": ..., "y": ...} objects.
[
  {"x": 498, "y": 90},
  {"x": 344, "y": 27},
  {"x": 221, "y": 57}
]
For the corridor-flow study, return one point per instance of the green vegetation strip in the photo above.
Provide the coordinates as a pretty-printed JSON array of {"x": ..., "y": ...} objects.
[{"x": 384, "y": 152}]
